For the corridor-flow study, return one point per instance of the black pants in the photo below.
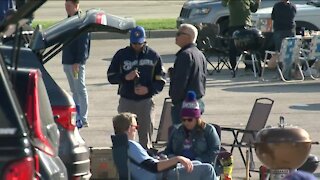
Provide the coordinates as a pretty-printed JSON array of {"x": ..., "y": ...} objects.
[{"x": 233, "y": 51}]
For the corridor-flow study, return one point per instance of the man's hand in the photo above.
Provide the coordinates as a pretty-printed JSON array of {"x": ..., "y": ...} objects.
[
  {"x": 141, "y": 90},
  {"x": 133, "y": 74},
  {"x": 75, "y": 67},
  {"x": 186, "y": 163}
]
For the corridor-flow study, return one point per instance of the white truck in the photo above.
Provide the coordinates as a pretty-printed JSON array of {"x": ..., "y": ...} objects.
[
  {"x": 213, "y": 12},
  {"x": 307, "y": 17}
]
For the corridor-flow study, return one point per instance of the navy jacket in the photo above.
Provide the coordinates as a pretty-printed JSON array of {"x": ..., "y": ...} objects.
[
  {"x": 189, "y": 73},
  {"x": 148, "y": 63},
  {"x": 77, "y": 52},
  {"x": 283, "y": 14}
]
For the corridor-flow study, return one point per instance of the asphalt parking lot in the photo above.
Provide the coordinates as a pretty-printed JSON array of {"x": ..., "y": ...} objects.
[{"x": 228, "y": 100}]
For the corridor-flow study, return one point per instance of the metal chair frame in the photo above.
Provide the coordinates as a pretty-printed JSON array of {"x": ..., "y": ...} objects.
[
  {"x": 311, "y": 52},
  {"x": 257, "y": 121},
  {"x": 288, "y": 58}
]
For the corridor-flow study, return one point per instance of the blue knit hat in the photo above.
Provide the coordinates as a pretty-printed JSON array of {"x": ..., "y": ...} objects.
[
  {"x": 190, "y": 106},
  {"x": 137, "y": 35}
]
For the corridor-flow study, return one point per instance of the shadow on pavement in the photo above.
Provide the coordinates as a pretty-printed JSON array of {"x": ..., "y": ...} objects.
[{"x": 306, "y": 107}]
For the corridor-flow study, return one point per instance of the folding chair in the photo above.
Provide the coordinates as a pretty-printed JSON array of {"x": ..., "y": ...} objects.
[
  {"x": 212, "y": 44},
  {"x": 120, "y": 155},
  {"x": 165, "y": 124},
  {"x": 312, "y": 53},
  {"x": 288, "y": 59},
  {"x": 257, "y": 121}
]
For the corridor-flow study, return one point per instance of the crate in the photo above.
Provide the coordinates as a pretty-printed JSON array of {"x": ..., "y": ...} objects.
[{"x": 102, "y": 165}]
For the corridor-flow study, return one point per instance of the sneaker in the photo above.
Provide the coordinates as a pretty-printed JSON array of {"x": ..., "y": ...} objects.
[
  {"x": 79, "y": 124},
  {"x": 85, "y": 124}
]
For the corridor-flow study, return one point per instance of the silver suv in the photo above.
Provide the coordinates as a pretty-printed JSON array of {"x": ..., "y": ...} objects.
[{"x": 213, "y": 12}]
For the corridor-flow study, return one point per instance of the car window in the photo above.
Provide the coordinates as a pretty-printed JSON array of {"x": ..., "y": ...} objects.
[{"x": 46, "y": 114}]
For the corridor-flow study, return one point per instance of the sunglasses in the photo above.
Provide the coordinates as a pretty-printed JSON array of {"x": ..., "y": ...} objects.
[
  {"x": 135, "y": 126},
  {"x": 137, "y": 43},
  {"x": 181, "y": 33},
  {"x": 187, "y": 119}
]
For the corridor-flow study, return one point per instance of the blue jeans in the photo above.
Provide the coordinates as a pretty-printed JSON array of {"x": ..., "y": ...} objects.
[
  {"x": 78, "y": 89},
  {"x": 279, "y": 35},
  {"x": 203, "y": 171},
  {"x": 176, "y": 110}
]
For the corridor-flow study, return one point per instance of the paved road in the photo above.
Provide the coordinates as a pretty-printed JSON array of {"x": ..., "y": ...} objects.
[
  {"x": 228, "y": 101},
  {"x": 54, "y": 10}
]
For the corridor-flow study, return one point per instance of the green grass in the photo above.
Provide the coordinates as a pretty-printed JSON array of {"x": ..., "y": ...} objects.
[{"x": 148, "y": 24}]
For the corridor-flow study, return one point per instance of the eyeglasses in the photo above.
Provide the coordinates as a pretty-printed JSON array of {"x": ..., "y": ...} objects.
[
  {"x": 187, "y": 119},
  {"x": 135, "y": 126},
  {"x": 181, "y": 33}
]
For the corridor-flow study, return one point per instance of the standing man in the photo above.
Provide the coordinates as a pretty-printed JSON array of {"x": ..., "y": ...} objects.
[
  {"x": 189, "y": 71},
  {"x": 74, "y": 57},
  {"x": 283, "y": 14},
  {"x": 239, "y": 19},
  {"x": 139, "y": 72}
]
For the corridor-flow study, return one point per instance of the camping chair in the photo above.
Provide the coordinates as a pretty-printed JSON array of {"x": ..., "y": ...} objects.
[
  {"x": 212, "y": 44},
  {"x": 311, "y": 53},
  {"x": 288, "y": 59},
  {"x": 120, "y": 155},
  {"x": 165, "y": 124},
  {"x": 257, "y": 121}
]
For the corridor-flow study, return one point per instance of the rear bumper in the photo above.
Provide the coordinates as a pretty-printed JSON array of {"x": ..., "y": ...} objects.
[{"x": 74, "y": 154}]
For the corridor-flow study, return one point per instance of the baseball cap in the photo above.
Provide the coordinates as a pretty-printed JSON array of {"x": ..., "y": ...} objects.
[{"x": 137, "y": 35}]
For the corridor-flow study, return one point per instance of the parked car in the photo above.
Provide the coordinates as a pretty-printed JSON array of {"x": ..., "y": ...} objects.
[
  {"x": 43, "y": 46},
  {"x": 28, "y": 133},
  {"x": 32, "y": 95},
  {"x": 213, "y": 12},
  {"x": 17, "y": 157},
  {"x": 307, "y": 17}
]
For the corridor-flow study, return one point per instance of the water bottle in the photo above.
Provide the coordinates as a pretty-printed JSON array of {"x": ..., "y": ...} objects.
[
  {"x": 78, "y": 121},
  {"x": 136, "y": 80}
]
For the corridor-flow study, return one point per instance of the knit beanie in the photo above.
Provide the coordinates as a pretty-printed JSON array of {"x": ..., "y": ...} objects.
[{"x": 190, "y": 106}]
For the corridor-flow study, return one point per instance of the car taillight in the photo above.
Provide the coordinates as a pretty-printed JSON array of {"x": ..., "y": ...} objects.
[
  {"x": 76, "y": 178},
  {"x": 101, "y": 19},
  {"x": 33, "y": 114},
  {"x": 37, "y": 165},
  {"x": 22, "y": 169},
  {"x": 66, "y": 116}
]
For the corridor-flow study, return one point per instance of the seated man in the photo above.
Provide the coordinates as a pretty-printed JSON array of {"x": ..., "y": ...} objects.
[{"x": 147, "y": 167}]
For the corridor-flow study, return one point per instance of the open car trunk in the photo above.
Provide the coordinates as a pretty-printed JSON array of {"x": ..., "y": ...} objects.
[{"x": 49, "y": 42}]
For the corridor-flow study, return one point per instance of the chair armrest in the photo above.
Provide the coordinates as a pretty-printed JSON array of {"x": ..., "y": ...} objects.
[
  {"x": 271, "y": 52},
  {"x": 238, "y": 145},
  {"x": 305, "y": 50},
  {"x": 238, "y": 129}
]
